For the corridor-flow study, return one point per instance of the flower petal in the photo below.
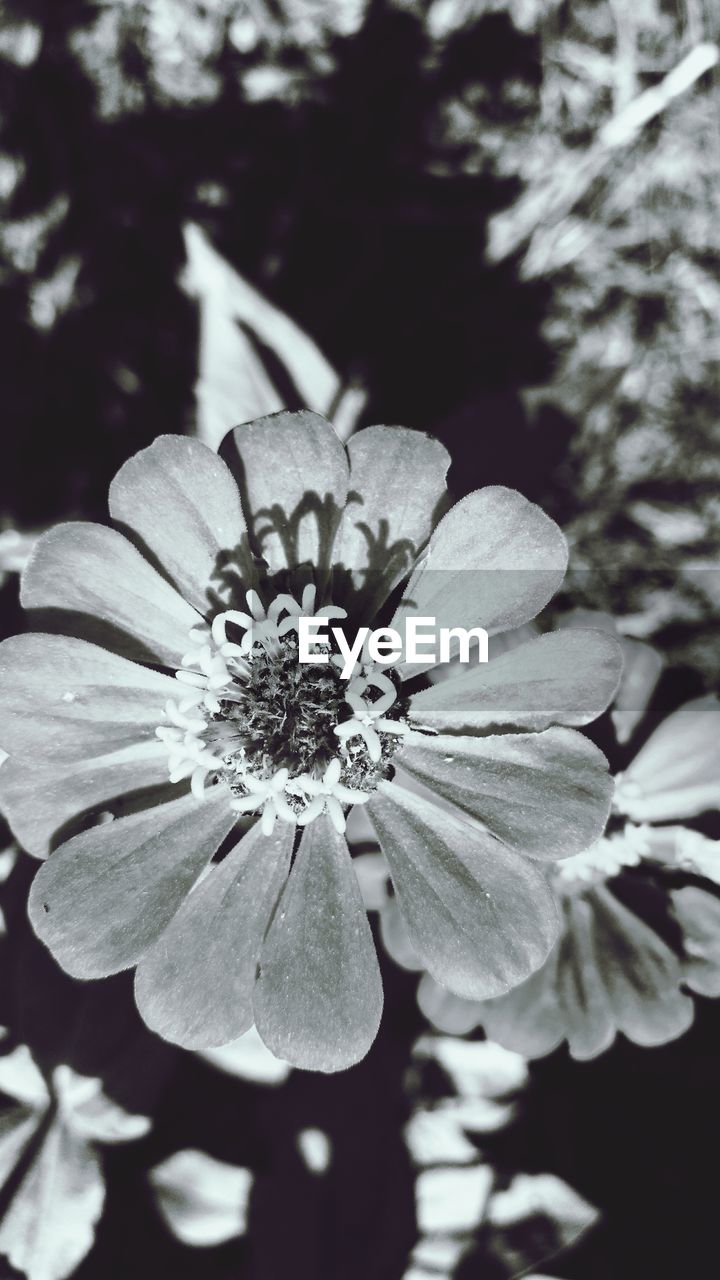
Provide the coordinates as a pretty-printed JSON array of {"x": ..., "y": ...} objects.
[
  {"x": 546, "y": 794},
  {"x": 698, "y": 914},
  {"x": 589, "y": 1021},
  {"x": 677, "y": 772},
  {"x": 480, "y": 916},
  {"x": 194, "y": 987},
  {"x": 292, "y": 472},
  {"x": 565, "y": 677},
  {"x": 642, "y": 976},
  {"x": 528, "y": 1019},
  {"x": 494, "y": 561},
  {"x": 447, "y": 1012},
  {"x": 318, "y": 998},
  {"x": 92, "y": 578},
  {"x": 181, "y": 500},
  {"x": 105, "y": 896},
  {"x": 397, "y": 491},
  {"x": 39, "y": 799},
  {"x": 62, "y": 699},
  {"x": 642, "y": 666}
]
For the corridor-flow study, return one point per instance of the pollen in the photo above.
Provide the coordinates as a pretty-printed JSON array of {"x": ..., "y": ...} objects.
[{"x": 290, "y": 740}]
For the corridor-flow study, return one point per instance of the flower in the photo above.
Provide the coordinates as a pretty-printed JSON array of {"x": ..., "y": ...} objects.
[
  {"x": 174, "y": 699},
  {"x": 616, "y": 967}
]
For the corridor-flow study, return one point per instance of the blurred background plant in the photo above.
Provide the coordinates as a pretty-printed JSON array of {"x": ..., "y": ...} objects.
[{"x": 496, "y": 220}]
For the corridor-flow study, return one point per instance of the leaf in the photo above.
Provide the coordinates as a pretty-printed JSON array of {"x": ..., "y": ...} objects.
[{"x": 236, "y": 326}]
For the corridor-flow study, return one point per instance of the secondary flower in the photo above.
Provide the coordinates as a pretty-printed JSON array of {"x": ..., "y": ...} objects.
[
  {"x": 175, "y": 701},
  {"x": 625, "y": 960}
]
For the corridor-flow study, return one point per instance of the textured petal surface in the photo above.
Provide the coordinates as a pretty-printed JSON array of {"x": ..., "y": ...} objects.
[
  {"x": 677, "y": 772},
  {"x": 194, "y": 987},
  {"x": 494, "y": 561},
  {"x": 292, "y": 471},
  {"x": 62, "y": 699},
  {"x": 179, "y": 498},
  {"x": 104, "y": 897},
  {"x": 480, "y": 916},
  {"x": 39, "y": 799},
  {"x": 397, "y": 492},
  {"x": 566, "y": 677},
  {"x": 318, "y": 999},
  {"x": 92, "y": 579},
  {"x": 547, "y": 794}
]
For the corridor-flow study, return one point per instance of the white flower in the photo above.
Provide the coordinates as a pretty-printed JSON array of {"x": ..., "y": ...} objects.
[
  {"x": 368, "y": 721},
  {"x": 267, "y": 794},
  {"x": 329, "y": 795}
]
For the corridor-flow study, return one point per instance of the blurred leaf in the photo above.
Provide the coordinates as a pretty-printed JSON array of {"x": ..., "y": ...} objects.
[
  {"x": 15, "y": 550},
  {"x": 58, "y": 1189},
  {"x": 452, "y": 1200},
  {"x": 536, "y": 1217},
  {"x": 437, "y": 1137},
  {"x": 245, "y": 345},
  {"x": 203, "y": 1201},
  {"x": 477, "y": 1068}
]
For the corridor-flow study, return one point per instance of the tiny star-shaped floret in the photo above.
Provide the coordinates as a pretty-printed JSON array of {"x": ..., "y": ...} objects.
[
  {"x": 267, "y": 794},
  {"x": 329, "y": 794},
  {"x": 369, "y": 717}
]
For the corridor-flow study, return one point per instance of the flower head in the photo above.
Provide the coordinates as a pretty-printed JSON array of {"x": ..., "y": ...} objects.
[{"x": 173, "y": 696}]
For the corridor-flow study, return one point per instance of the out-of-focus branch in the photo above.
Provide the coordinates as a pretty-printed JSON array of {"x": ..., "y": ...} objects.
[{"x": 546, "y": 203}]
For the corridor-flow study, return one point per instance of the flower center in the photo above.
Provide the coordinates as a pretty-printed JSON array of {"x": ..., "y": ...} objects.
[{"x": 290, "y": 739}]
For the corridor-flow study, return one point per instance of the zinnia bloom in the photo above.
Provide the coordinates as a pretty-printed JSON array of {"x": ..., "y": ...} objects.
[
  {"x": 616, "y": 967},
  {"x": 175, "y": 702}
]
